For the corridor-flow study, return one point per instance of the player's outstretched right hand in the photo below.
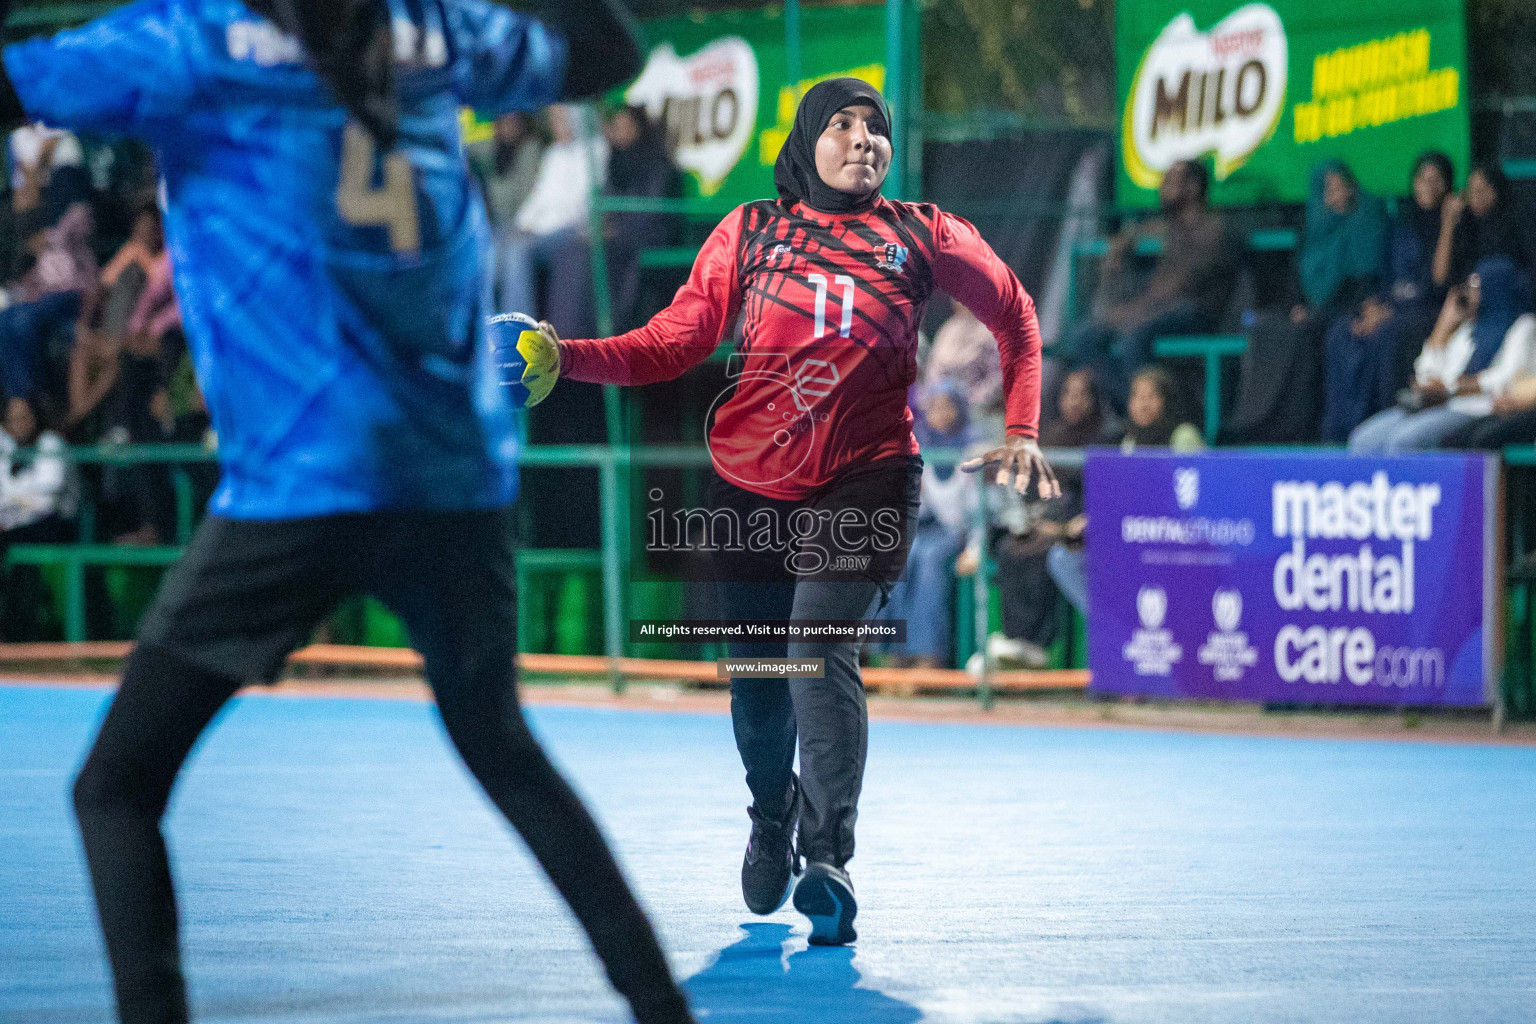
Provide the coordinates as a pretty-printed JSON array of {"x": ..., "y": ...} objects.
[{"x": 547, "y": 354}]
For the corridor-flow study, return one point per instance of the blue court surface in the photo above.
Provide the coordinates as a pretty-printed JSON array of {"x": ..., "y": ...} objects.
[{"x": 337, "y": 865}]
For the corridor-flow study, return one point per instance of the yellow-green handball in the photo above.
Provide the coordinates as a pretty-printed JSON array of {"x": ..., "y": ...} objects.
[{"x": 527, "y": 357}]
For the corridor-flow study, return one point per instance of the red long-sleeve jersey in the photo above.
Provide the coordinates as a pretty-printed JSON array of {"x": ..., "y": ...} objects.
[{"x": 829, "y": 339}]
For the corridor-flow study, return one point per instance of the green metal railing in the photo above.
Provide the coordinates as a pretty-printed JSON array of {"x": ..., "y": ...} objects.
[
  {"x": 612, "y": 462},
  {"x": 1211, "y": 348},
  {"x": 58, "y": 15}
]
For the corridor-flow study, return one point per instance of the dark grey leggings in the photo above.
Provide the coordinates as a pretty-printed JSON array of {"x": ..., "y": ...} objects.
[{"x": 826, "y": 718}]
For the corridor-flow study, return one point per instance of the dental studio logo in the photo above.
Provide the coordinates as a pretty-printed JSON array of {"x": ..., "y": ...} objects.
[
  {"x": 1227, "y": 650},
  {"x": 1186, "y": 487},
  {"x": 1152, "y": 651},
  {"x": 1195, "y": 93}
]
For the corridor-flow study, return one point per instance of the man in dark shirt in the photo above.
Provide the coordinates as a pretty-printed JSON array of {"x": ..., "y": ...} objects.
[{"x": 1187, "y": 292}]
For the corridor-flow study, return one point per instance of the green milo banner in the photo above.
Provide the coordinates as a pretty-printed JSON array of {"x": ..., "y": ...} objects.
[
  {"x": 1263, "y": 91},
  {"x": 721, "y": 84}
]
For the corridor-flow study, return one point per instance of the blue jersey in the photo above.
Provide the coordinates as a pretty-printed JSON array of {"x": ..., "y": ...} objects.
[{"x": 331, "y": 294}]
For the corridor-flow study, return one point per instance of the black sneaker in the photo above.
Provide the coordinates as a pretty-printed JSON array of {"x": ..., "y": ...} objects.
[
  {"x": 769, "y": 867},
  {"x": 825, "y": 895}
]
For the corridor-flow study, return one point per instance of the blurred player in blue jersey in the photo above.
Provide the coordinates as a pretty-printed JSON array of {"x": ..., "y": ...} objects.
[{"x": 326, "y": 241}]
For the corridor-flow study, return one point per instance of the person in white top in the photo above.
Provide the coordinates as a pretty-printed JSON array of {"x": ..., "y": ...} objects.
[
  {"x": 31, "y": 490},
  {"x": 554, "y": 215},
  {"x": 965, "y": 351},
  {"x": 33, "y": 144},
  {"x": 1483, "y": 341}
]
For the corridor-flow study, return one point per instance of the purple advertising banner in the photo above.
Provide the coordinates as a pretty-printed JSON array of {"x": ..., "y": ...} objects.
[{"x": 1293, "y": 577}]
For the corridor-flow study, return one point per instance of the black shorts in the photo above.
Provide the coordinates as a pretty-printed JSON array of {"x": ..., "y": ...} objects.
[
  {"x": 858, "y": 527},
  {"x": 248, "y": 593}
]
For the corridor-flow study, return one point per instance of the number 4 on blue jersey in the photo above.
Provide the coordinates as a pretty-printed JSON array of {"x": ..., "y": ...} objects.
[{"x": 331, "y": 293}]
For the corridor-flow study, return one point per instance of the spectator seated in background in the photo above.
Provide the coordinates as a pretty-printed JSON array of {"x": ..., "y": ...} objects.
[
  {"x": 507, "y": 165},
  {"x": 33, "y": 486},
  {"x": 36, "y": 507},
  {"x": 46, "y": 177},
  {"x": 924, "y": 594},
  {"x": 639, "y": 166},
  {"x": 1153, "y": 421},
  {"x": 964, "y": 351},
  {"x": 1484, "y": 225},
  {"x": 1484, "y": 339},
  {"x": 94, "y": 359},
  {"x": 1281, "y": 396},
  {"x": 1343, "y": 263},
  {"x": 60, "y": 288},
  {"x": 1419, "y": 274},
  {"x": 555, "y": 213},
  {"x": 1154, "y": 417},
  {"x": 1478, "y": 225},
  {"x": 1027, "y": 594},
  {"x": 36, "y": 152},
  {"x": 123, "y": 278},
  {"x": 1189, "y": 290},
  {"x": 139, "y": 411}
]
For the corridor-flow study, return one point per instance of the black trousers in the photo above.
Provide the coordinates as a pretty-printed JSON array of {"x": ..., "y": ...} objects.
[
  {"x": 243, "y": 597},
  {"x": 1492, "y": 433},
  {"x": 1028, "y": 593},
  {"x": 826, "y": 718}
]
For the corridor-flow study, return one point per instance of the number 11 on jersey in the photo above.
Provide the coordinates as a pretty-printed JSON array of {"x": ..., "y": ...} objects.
[{"x": 844, "y": 282}]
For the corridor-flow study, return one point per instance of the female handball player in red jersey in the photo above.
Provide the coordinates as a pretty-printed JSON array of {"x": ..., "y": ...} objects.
[{"x": 817, "y": 438}]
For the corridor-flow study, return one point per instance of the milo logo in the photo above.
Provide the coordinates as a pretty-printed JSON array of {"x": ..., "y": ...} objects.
[
  {"x": 1219, "y": 92},
  {"x": 708, "y": 101}
]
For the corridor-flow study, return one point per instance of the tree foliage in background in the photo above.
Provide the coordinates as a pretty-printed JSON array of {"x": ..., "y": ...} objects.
[
  {"x": 1040, "y": 59},
  {"x": 1501, "y": 44}
]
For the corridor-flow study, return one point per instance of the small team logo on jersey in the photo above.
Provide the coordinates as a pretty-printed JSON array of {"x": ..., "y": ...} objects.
[{"x": 893, "y": 257}]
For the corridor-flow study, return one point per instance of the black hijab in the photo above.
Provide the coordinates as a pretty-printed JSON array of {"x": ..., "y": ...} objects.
[
  {"x": 1425, "y": 224},
  {"x": 794, "y": 174},
  {"x": 1496, "y": 233},
  {"x": 352, "y": 45},
  {"x": 634, "y": 169},
  {"x": 1058, "y": 433},
  {"x": 1159, "y": 433}
]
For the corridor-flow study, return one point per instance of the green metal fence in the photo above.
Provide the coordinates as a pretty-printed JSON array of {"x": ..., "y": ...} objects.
[{"x": 614, "y": 463}]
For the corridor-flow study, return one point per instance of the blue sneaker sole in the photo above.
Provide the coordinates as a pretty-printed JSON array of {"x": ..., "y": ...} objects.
[{"x": 831, "y": 908}]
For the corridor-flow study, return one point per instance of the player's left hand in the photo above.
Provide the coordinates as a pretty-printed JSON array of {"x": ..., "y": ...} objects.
[{"x": 1020, "y": 461}]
